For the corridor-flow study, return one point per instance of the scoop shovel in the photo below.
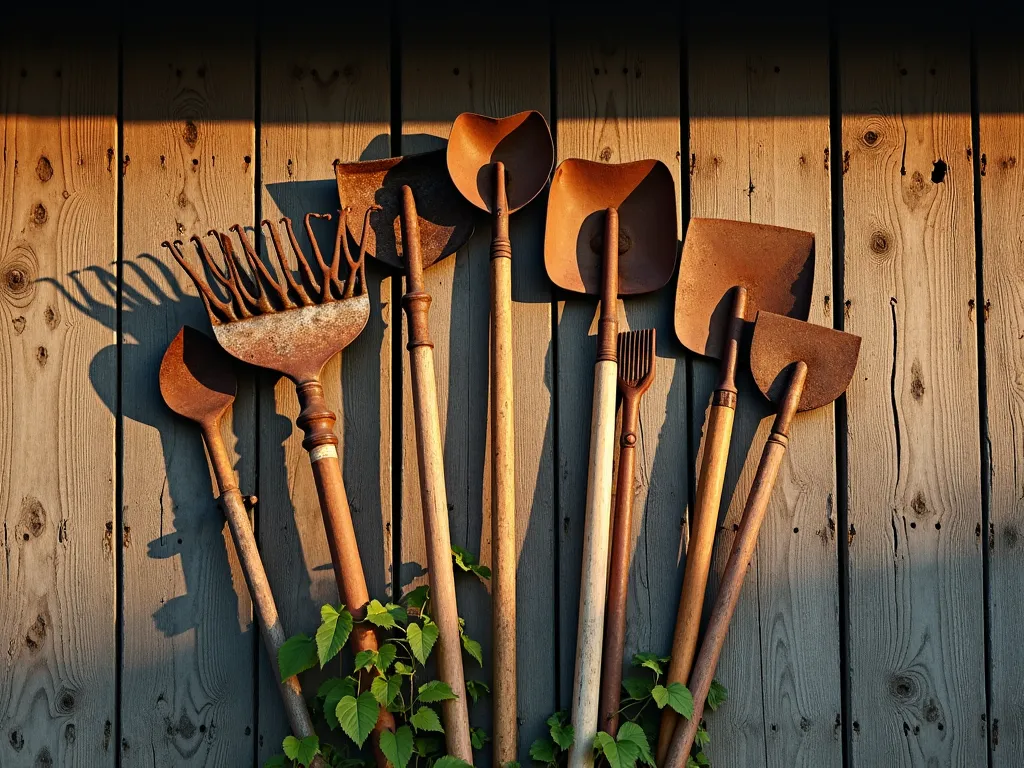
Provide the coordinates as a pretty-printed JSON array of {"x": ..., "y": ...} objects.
[
  {"x": 395, "y": 187},
  {"x": 800, "y": 367},
  {"x": 729, "y": 270},
  {"x": 499, "y": 165},
  {"x": 197, "y": 381},
  {"x": 611, "y": 229}
]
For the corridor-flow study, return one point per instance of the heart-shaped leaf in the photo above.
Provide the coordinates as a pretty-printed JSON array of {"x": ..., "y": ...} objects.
[
  {"x": 335, "y": 627},
  {"x": 301, "y": 750},
  {"x": 296, "y": 655},
  {"x": 385, "y": 689},
  {"x": 397, "y": 746},
  {"x": 426, "y": 719},
  {"x": 422, "y": 639},
  {"x": 436, "y": 690},
  {"x": 357, "y": 716}
]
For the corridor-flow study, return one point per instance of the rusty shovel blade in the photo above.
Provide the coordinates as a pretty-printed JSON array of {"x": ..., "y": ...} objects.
[
  {"x": 774, "y": 264},
  {"x": 780, "y": 342},
  {"x": 197, "y": 378},
  {"x": 445, "y": 218}
]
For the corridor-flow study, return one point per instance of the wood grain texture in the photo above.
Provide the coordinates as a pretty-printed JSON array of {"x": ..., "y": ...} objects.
[
  {"x": 323, "y": 102},
  {"x": 618, "y": 101},
  {"x": 58, "y": 215},
  {"x": 759, "y": 152},
  {"x": 915, "y": 580},
  {"x": 1000, "y": 94},
  {"x": 187, "y": 681},
  {"x": 494, "y": 67}
]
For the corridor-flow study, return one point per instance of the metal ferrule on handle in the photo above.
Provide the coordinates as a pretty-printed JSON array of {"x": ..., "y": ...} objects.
[{"x": 736, "y": 568}]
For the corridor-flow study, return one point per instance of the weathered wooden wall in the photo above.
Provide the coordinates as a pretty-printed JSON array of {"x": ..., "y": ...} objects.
[{"x": 878, "y": 624}]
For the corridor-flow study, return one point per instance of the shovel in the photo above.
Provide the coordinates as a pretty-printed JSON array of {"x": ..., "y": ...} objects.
[
  {"x": 392, "y": 189},
  {"x": 482, "y": 151},
  {"x": 611, "y": 229},
  {"x": 729, "y": 270},
  {"x": 197, "y": 381},
  {"x": 800, "y": 367}
]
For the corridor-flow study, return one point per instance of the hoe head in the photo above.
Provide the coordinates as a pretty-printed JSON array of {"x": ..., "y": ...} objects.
[
  {"x": 774, "y": 264},
  {"x": 643, "y": 193},
  {"x": 197, "y": 378},
  {"x": 779, "y": 342},
  {"x": 446, "y": 220},
  {"x": 522, "y": 142}
]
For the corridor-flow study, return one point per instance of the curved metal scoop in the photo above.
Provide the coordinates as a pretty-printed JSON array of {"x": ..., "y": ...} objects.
[
  {"x": 197, "y": 378},
  {"x": 522, "y": 142},
  {"x": 774, "y": 264},
  {"x": 779, "y": 342},
  {"x": 643, "y": 193},
  {"x": 446, "y": 221}
]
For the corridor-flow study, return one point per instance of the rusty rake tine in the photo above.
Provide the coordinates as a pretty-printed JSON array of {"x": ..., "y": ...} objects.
[
  {"x": 300, "y": 256},
  {"x": 240, "y": 292},
  {"x": 340, "y": 245},
  {"x": 286, "y": 270},
  {"x": 325, "y": 292},
  {"x": 258, "y": 271},
  {"x": 359, "y": 268},
  {"x": 209, "y": 298}
]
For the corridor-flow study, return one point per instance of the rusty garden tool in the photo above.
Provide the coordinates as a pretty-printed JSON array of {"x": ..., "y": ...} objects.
[
  {"x": 499, "y": 165},
  {"x": 800, "y": 367},
  {"x": 294, "y": 326},
  {"x": 611, "y": 229},
  {"x": 197, "y": 381},
  {"x": 729, "y": 270},
  {"x": 636, "y": 374},
  {"x": 394, "y": 187}
]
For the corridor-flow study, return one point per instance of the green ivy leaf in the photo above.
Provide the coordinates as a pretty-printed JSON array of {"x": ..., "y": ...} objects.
[
  {"x": 296, "y": 655},
  {"x": 451, "y": 762},
  {"x": 476, "y": 689},
  {"x": 426, "y": 719},
  {"x": 417, "y": 598},
  {"x": 436, "y": 690},
  {"x": 379, "y": 615},
  {"x": 651, "y": 661},
  {"x": 676, "y": 696},
  {"x": 422, "y": 639},
  {"x": 338, "y": 690},
  {"x": 335, "y": 627},
  {"x": 473, "y": 648},
  {"x": 277, "y": 761},
  {"x": 717, "y": 695},
  {"x": 385, "y": 689},
  {"x": 702, "y": 760},
  {"x": 427, "y": 744},
  {"x": 385, "y": 657},
  {"x": 562, "y": 734},
  {"x": 638, "y": 687},
  {"x": 301, "y": 750},
  {"x": 401, "y": 668},
  {"x": 605, "y": 745},
  {"x": 478, "y": 737},
  {"x": 397, "y": 746},
  {"x": 398, "y": 613},
  {"x": 702, "y": 739},
  {"x": 365, "y": 660},
  {"x": 634, "y": 734},
  {"x": 357, "y": 716},
  {"x": 468, "y": 562},
  {"x": 543, "y": 751}
]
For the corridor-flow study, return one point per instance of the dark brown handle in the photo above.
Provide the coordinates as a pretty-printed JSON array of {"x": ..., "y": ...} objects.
[
  {"x": 618, "y": 580},
  {"x": 736, "y": 568},
  {"x": 317, "y": 422},
  {"x": 608, "y": 325},
  {"x": 416, "y": 300}
]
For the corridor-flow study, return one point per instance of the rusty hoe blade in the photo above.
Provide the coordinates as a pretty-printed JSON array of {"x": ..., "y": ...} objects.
[
  {"x": 197, "y": 378},
  {"x": 445, "y": 219}
]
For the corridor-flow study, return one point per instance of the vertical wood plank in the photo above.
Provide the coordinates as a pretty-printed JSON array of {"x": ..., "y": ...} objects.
[
  {"x": 1001, "y": 124},
  {"x": 759, "y": 106},
  {"x": 497, "y": 66},
  {"x": 618, "y": 101},
  {"x": 58, "y": 216},
  {"x": 187, "y": 684},
  {"x": 323, "y": 102},
  {"x": 916, "y": 616}
]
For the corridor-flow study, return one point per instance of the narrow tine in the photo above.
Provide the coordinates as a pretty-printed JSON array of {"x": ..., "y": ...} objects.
[
  {"x": 325, "y": 291},
  {"x": 359, "y": 268},
  {"x": 224, "y": 278},
  {"x": 340, "y": 246},
  {"x": 260, "y": 271},
  {"x": 286, "y": 270},
  {"x": 636, "y": 358},
  {"x": 219, "y": 311},
  {"x": 233, "y": 264},
  {"x": 307, "y": 272}
]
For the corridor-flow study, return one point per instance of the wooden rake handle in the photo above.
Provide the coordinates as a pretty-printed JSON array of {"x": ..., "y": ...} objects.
[
  {"x": 433, "y": 496},
  {"x": 736, "y": 568}
]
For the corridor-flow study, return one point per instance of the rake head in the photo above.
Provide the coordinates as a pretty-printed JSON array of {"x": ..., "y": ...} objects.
[
  {"x": 636, "y": 361},
  {"x": 293, "y": 324}
]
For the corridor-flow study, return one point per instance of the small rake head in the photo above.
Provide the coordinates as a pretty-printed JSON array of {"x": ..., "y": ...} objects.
[
  {"x": 293, "y": 324},
  {"x": 636, "y": 361}
]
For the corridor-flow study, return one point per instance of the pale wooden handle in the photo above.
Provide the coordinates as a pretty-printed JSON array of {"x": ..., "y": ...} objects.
[
  {"x": 698, "y": 558},
  {"x": 594, "y": 578},
  {"x": 503, "y": 509},
  {"x": 444, "y": 610}
]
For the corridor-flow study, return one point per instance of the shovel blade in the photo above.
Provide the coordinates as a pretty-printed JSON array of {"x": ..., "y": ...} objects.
[{"x": 197, "y": 378}]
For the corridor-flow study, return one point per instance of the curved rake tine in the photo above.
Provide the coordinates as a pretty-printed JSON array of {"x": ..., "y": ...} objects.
[
  {"x": 258, "y": 271},
  {"x": 214, "y": 306},
  {"x": 286, "y": 270},
  {"x": 341, "y": 249},
  {"x": 299, "y": 255},
  {"x": 358, "y": 270},
  {"x": 224, "y": 278},
  {"x": 325, "y": 293},
  {"x": 226, "y": 248}
]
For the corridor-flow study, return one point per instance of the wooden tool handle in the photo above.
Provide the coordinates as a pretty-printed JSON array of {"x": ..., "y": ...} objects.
[
  {"x": 433, "y": 496},
  {"x": 618, "y": 579},
  {"x": 503, "y": 491},
  {"x": 736, "y": 568},
  {"x": 317, "y": 422}
]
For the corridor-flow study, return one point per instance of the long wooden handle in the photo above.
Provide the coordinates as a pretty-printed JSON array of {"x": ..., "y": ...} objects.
[
  {"x": 618, "y": 579},
  {"x": 503, "y": 489},
  {"x": 433, "y": 496},
  {"x": 736, "y": 568},
  {"x": 317, "y": 422}
]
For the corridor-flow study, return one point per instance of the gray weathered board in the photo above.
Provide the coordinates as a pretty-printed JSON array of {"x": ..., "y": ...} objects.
[{"x": 860, "y": 639}]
